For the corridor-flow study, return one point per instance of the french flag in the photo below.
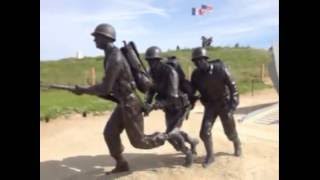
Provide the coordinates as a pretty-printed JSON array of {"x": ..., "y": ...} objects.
[{"x": 196, "y": 11}]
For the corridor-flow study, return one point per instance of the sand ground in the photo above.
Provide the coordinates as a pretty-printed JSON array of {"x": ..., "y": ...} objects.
[{"x": 73, "y": 148}]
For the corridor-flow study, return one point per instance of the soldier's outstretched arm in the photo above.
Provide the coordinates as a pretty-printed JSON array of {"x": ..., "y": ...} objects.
[
  {"x": 194, "y": 88},
  {"x": 232, "y": 88}
]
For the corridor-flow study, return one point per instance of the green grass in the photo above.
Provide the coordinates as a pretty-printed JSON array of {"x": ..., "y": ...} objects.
[
  {"x": 70, "y": 71},
  {"x": 54, "y": 103},
  {"x": 246, "y": 86},
  {"x": 244, "y": 65}
]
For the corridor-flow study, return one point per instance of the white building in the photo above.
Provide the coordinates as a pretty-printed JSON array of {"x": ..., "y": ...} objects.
[{"x": 79, "y": 55}]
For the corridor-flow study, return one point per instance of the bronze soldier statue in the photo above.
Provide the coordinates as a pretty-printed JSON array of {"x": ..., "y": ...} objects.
[
  {"x": 171, "y": 100},
  {"x": 206, "y": 42},
  {"x": 118, "y": 82},
  {"x": 219, "y": 96}
]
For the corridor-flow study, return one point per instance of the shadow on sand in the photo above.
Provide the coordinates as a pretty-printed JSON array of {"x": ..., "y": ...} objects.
[{"x": 92, "y": 167}]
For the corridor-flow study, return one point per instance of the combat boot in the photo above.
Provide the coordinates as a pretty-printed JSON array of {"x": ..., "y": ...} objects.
[
  {"x": 188, "y": 159},
  {"x": 210, "y": 155},
  {"x": 193, "y": 143},
  {"x": 208, "y": 160},
  {"x": 122, "y": 166},
  {"x": 237, "y": 147}
]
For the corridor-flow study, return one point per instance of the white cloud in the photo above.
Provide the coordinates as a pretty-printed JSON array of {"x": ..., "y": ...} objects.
[
  {"x": 238, "y": 20},
  {"x": 147, "y": 22},
  {"x": 113, "y": 11},
  {"x": 66, "y": 32},
  {"x": 242, "y": 10}
]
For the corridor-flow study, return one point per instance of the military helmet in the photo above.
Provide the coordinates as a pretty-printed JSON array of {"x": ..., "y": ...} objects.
[
  {"x": 153, "y": 52},
  {"x": 199, "y": 52},
  {"x": 106, "y": 30}
]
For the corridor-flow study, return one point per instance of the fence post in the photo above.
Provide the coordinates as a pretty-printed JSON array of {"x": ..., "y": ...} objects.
[
  {"x": 252, "y": 87},
  {"x": 262, "y": 72},
  {"x": 93, "y": 76},
  {"x": 86, "y": 78}
]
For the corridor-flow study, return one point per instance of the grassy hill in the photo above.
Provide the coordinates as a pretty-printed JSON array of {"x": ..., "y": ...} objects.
[{"x": 244, "y": 64}]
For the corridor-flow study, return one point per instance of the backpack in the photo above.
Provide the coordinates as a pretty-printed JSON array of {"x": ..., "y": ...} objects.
[
  {"x": 184, "y": 85},
  {"x": 141, "y": 77}
]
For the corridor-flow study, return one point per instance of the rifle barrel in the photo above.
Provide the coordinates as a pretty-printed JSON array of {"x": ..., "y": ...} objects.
[{"x": 58, "y": 86}]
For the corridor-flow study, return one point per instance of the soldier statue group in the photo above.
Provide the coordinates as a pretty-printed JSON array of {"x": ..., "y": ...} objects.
[{"x": 169, "y": 91}]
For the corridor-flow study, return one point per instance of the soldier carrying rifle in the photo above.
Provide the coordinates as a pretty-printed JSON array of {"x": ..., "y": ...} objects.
[{"x": 118, "y": 85}]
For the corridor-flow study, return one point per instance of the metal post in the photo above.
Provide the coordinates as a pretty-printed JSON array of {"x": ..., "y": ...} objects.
[
  {"x": 262, "y": 72},
  {"x": 93, "y": 76},
  {"x": 252, "y": 87}
]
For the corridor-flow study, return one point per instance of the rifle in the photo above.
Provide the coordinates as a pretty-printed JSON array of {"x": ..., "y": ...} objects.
[
  {"x": 58, "y": 86},
  {"x": 145, "y": 108},
  {"x": 73, "y": 89},
  {"x": 134, "y": 47}
]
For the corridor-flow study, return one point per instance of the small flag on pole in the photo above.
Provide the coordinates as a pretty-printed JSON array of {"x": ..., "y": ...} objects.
[
  {"x": 202, "y": 10},
  {"x": 195, "y": 11},
  {"x": 206, "y": 7}
]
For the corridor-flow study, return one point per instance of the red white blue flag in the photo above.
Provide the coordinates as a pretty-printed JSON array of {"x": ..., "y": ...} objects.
[
  {"x": 207, "y": 7},
  {"x": 204, "y": 9}
]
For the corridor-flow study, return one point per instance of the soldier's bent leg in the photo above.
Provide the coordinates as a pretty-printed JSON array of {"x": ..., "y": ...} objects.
[
  {"x": 173, "y": 120},
  {"x": 133, "y": 123},
  {"x": 175, "y": 144},
  {"x": 229, "y": 127},
  {"x": 178, "y": 140},
  {"x": 170, "y": 118},
  {"x": 210, "y": 116},
  {"x": 173, "y": 124},
  {"x": 111, "y": 134},
  {"x": 192, "y": 141}
]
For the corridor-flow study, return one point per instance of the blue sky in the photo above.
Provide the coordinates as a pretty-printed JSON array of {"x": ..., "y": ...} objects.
[{"x": 65, "y": 25}]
